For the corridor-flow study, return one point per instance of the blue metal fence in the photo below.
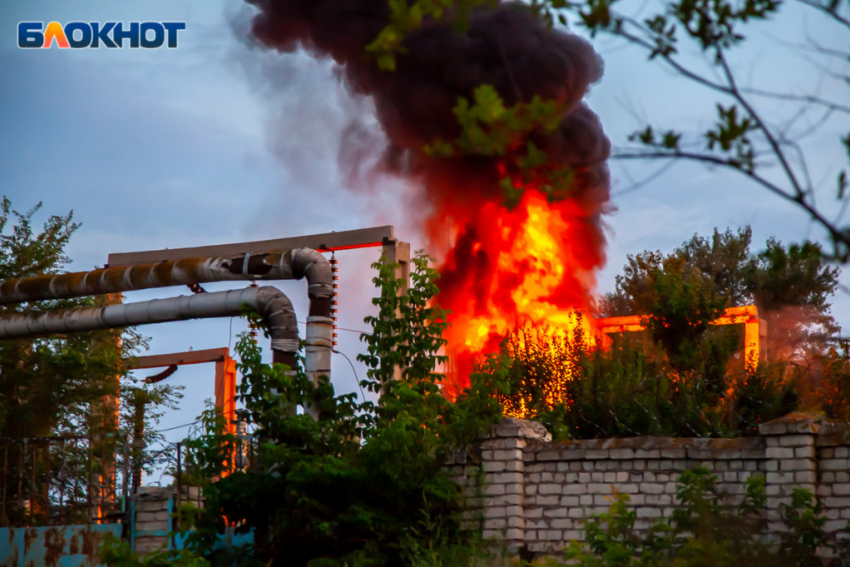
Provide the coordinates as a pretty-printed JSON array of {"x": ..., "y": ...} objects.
[{"x": 53, "y": 546}]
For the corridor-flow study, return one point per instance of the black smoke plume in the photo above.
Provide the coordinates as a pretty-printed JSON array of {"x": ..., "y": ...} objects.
[{"x": 507, "y": 47}]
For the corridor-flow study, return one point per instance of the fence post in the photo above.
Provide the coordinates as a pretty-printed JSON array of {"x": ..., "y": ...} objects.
[{"x": 791, "y": 461}]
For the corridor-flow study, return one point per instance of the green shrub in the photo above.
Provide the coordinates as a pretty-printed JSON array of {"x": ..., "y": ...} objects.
[{"x": 629, "y": 390}]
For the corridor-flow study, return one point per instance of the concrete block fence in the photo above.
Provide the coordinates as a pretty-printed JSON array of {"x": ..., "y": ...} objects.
[
  {"x": 152, "y": 507},
  {"x": 536, "y": 494}
]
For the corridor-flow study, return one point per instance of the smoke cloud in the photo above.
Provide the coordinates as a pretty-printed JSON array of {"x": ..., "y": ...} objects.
[
  {"x": 508, "y": 48},
  {"x": 459, "y": 198}
]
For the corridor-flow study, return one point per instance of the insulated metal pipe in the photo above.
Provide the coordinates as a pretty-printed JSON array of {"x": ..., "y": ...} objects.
[
  {"x": 320, "y": 322},
  {"x": 269, "y": 302},
  {"x": 277, "y": 265}
]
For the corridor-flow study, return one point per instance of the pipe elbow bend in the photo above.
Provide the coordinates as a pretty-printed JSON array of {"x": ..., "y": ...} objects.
[
  {"x": 279, "y": 315},
  {"x": 312, "y": 265}
]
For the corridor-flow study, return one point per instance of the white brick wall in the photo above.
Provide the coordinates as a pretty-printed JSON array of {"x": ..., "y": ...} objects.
[{"x": 554, "y": 487}]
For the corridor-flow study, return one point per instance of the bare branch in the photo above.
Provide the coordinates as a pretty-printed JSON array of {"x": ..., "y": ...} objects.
[
  {"x": 648, "y": 179},
  {"x": 843, "y": 210},
  {"x": 771, "y": 140},
  {"x": 778, "y": 141},
  {"x": 670, "y": 61},
  {"x": 837, "y": 236},
  {"x": 828, "y": 10},
  {"x": 810, "y": 99}
]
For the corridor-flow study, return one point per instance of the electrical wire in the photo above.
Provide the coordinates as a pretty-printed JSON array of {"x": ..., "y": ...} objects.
[
  {"x": 178, "y": 426},
  {"x": 362, "y": 393},
  {"x": 192, "y": 423},
  {"x": 344, "y": 329}
]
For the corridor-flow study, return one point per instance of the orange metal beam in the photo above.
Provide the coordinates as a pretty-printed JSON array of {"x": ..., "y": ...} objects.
[
  {"x": 225, "y": 391},
  {"x": 225, "y": 376},
  {"x": 755, "y": 329},
  {"x": 178, "y": 358},
  {"x": 225, "y": 373},
  {"x": 343, "y": 240}
]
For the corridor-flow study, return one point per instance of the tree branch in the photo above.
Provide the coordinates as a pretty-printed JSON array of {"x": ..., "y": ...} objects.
[
  {"x": 649, "y": 178},
  {"x": 771, "y": 140},
  {"x": 667, "y": 58},
  {"x": 826, "y": 10},
  {"x": 837, "y": 236},
  {"x": 811, "y": 99}
]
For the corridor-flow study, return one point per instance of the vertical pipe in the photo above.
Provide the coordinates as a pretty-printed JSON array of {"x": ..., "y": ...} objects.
[
  {"x": 321, "y": 291},
  {"x": 33, "y": 490},
  {"x": 317, "y": 355},
  {"x": 171, "y": 543},
  {"x": 47, "y": 480},
  {"x": 133, "y": 525},
  {"x": 76, "y": 474},
  {"x": 398, "y": 253},
  {"x": 102, "y": 487},
  {"x": 751, "y": 344},
  {"x": 138, "y": 440}
]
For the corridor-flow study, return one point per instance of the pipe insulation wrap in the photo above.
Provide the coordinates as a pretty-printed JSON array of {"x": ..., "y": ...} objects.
[
  {"x": 317, "y": 270},
  {"x": 276, "y": 265},
  {"x": 286, "y": 265},
  {"x": 269, "y": 302},
  {"x": 319, "y": 347}
]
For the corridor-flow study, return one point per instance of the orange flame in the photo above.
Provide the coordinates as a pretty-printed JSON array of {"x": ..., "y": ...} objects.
[{"x": 533, "y": 265}]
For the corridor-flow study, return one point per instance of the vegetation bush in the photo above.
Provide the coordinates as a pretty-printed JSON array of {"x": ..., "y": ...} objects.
[
  {"x": 366, "y": 483},
  {"x": 56, "y": 387},
  {"x": 629, "y": 390},
  {"x": 681, "y": 376}
]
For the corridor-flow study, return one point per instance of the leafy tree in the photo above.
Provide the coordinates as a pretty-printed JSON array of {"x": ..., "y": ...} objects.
[
  {"x": 54, "y": 386},
  {"x": 681, "y": 301},
  {"x": 790, "y": 286},
  {"x": 490, "y": 129},
  {"x": 775, "y": 277}
]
